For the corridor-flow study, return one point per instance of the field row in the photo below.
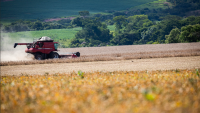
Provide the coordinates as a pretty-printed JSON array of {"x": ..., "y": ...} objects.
[{"x": 103, "y": 92}]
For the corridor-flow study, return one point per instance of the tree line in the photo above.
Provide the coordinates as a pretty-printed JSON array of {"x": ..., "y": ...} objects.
[
  {"x": 137, "y": 29},
  {"x": 23, "y": 25}
]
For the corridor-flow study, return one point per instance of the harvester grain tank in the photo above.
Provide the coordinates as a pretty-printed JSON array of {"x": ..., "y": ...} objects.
[{"x": 45, "y": 48}]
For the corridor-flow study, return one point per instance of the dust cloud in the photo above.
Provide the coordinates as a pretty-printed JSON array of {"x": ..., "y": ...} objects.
[{"x": 9, "y": 53}]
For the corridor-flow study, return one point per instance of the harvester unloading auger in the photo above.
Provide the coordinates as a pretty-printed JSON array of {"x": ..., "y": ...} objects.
[{"x": 45, "y": 48}]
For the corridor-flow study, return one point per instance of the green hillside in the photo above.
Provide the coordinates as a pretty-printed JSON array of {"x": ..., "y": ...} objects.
[{"x": 35, "y": 9}]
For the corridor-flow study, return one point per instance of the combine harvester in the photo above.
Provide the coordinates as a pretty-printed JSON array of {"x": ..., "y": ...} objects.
[{"x": 45, "y": 48}]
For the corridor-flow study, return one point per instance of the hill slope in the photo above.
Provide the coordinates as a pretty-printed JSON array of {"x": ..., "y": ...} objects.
[{"x": 24, "y": 9}]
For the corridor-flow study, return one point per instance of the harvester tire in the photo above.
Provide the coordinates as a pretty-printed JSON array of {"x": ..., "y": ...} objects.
[
  {"x": 53, "y": 55},
  {"x": 39, "y": 56},
  {"x": 78, "y": 54}
]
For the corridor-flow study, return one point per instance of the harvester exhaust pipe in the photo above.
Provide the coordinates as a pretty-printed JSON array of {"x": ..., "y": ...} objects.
[{"x": 15, "y": 45}]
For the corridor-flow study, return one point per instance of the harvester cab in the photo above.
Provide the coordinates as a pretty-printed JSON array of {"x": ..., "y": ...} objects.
[{"x": 45, "y": 48}]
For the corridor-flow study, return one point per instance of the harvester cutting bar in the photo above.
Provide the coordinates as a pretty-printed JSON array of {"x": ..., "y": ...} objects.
[
  {"x": 69, "y": 55},
  {"x": 66, "y": 53},
  {"x": 22, "y": 44}
]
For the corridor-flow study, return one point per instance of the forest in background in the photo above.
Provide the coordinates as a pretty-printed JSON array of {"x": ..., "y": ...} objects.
[{"x": 175, "y": 21}]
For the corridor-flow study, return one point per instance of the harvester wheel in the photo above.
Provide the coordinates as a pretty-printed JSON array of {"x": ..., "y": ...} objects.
[
  {"x": 38, "y": 56},
  {"x": 53, "y": 55},
  {"x": 77, "y": 54}
]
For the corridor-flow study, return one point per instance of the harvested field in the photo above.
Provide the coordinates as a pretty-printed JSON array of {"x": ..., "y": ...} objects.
[
  {"x": 151, "y": 48},
  {"x": 89, "y": 54},
  {"x": 105, "y": 66}
]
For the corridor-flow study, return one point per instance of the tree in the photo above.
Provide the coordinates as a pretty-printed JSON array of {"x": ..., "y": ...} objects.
[
  {"x": 164, "y": 28},
  {"x": 129, "y": 30},
  {"x": 37, "y": 25},
  {"x": 139, "y": 21},
  {"x": 147, "y": 33},
  {"x": 74, "y": 43},
  {"x": 120, "y": 22},
  {"x": 171, "y": 17},
  {"x": 84, "y": 13},
  {"x": 122, "y": 39},
  {"x": 173, "y": 37},
  {"x": 93, "y": 33},
  {"x": 190, "y": 33},
  {"x": 191, "y": 20},
  {"x": 78, "y": 22}
]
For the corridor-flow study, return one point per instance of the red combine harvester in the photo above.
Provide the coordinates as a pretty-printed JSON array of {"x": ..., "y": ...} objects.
[{"x": 45, "y": 48}]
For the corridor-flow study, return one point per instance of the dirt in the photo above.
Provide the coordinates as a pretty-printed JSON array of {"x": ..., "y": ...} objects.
[{"x": 110, "y": 66}]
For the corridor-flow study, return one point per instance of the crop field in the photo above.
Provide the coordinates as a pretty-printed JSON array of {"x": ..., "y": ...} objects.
[
  {"x": 137, "y": 49},
  {"x": 174, "y": 91},
  {"x": 58, "y": 33}
]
